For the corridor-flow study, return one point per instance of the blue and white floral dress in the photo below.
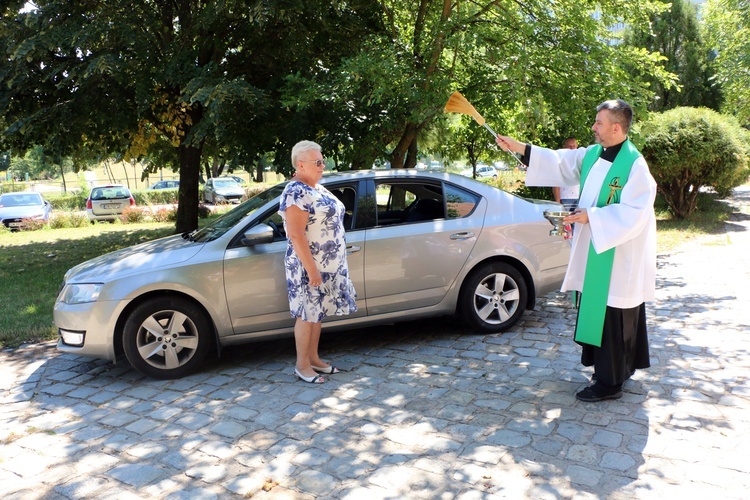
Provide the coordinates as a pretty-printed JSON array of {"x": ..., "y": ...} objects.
[{"x": 325, "y": 234}]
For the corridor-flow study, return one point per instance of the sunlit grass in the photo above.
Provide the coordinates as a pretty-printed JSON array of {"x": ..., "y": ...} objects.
[
  {"x": 705, "y": 226},
  {"x": 33, "y": 263}
]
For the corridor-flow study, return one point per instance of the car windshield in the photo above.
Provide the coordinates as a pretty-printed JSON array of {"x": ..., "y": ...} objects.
[
  {"x": 225, "y": 183},
  {"x": 109, "y": 193},
  {"x": 225, "y": 222},
  {"x": 20, "y": 200}
]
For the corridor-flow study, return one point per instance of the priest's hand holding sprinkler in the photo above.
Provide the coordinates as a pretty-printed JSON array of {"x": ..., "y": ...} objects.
[{"x": 458, "y": 104}]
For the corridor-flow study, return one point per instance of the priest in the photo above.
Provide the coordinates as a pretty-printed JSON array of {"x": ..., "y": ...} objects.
[{"x": 613, "y": 257}]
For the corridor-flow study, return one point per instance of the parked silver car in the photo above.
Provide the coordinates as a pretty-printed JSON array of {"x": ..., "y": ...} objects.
[
  {"x": 222, "y": 190},
  {"x": 20, "y": 210},
  {"x": 107, "y": 203},
  {"x": 419, "y": 244}
]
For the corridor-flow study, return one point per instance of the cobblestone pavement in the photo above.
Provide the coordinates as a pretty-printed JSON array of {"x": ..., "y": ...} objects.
[{"x": 426, "y": 410}]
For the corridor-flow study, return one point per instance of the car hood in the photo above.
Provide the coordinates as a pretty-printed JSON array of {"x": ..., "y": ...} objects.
[
  {"x": 21, "y": 212},
  {"x": 142, "y": 258},
  {"x": 229, "y": 191}
]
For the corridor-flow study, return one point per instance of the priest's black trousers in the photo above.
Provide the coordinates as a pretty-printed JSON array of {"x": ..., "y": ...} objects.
[{"x": 624, "y": 346}]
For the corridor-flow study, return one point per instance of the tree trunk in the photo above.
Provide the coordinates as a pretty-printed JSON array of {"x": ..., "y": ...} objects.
[
  {"x": 187, "y": 208},
  {"x": 62, "y": 175},
  {"x": 399, "y": 152},
  {"x": 412, "y": 156}
]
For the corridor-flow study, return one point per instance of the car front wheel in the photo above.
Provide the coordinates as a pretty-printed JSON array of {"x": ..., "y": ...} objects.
[
  {"x": 493, "y": 298},
  {"x": 166, "y": 338}
]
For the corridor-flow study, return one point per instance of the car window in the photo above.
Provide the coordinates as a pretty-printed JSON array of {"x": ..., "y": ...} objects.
[
  {"x": 348, "y": 196},
  {"x": 109, "y": 193},
  {"x": 225, "y": 222},
  {"x": 225, "y": 182},
  {"x": 408, "y": 202},
  {"x": 460, "y": 202},
  {"x": 24, "y": 200}
]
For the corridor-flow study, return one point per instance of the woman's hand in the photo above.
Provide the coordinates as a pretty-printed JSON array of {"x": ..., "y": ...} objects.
[{"x": 315, "y": 278}]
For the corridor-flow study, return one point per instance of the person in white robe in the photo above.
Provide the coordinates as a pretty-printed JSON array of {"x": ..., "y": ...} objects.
[{"x": 627, "y": 225}]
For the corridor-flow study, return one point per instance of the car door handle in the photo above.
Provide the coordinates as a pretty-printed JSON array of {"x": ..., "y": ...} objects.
[
  {"x": 351, "y": 249},
  {"x": 462, "y": 236}
]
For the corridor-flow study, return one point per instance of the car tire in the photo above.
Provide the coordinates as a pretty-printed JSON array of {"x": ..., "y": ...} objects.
[
  {"x": 493, "y": 298},
  {"x": 167, "y": 337}
]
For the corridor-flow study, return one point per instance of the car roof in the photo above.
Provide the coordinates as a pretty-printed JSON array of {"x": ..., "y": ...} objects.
[{"x": 408, "y": 174}]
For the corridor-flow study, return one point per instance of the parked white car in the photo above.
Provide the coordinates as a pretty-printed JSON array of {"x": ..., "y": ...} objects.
[
  {"x": 107, "y": 203},
  {"x": 483, "y": 171}
]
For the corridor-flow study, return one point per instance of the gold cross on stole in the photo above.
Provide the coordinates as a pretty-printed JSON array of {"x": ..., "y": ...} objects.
[{"x": 613, "y": 186}]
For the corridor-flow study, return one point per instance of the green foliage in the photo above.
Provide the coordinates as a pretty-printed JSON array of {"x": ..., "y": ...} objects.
[
  {"x": 156, "y": 197},
  {"x": 176, "y": 84},
  {"x": 13, "y": 187},
  {"x": 36, "y": 261},
  {"x": 727, "y": 29},
  {"x": 68, "y": 220},
  {"x": 68, "y": 202},
  {"x": 692, "y": 148},
  {"x": 675, "y": 34}
]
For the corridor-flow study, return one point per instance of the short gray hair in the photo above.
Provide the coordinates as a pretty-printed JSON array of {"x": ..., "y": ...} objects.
[
  {"x": 621, "y": 112},
  {"x": 301, "y": 147}
]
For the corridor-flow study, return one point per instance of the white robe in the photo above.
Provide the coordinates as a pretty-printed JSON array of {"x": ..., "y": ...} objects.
[{"x": 628, "y": 226}]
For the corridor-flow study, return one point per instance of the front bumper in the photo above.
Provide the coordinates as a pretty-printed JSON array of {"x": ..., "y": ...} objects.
[{"x": 95, "y": 320}]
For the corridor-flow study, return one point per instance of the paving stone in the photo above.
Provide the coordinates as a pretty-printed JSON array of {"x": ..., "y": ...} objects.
[
  {"x": 426, "y": 410},
  {"x": 136, "y": 475}
]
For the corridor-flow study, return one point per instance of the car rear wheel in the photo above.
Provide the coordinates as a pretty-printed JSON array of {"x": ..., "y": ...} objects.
[
  {"x": 166, "y": 338},
  {"x": 493, "y": 298}
]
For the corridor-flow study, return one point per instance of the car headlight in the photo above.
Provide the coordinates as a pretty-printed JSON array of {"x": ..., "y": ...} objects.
[{"x": 81, "y": 293}]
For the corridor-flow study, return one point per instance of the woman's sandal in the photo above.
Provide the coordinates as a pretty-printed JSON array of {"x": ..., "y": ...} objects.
[
  {"x": 315, "y": 379},
  {"x": 327, "y": 370}
]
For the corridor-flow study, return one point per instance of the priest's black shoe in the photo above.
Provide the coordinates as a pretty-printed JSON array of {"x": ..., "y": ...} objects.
[{"x": 599, "y": 392}]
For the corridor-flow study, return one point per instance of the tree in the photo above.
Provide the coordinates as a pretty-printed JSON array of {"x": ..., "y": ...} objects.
[
  {"x": 186, "y": 83},
  {"x": 691, "y": 148},
  {"x": 504, "y": 57},
  {"x": 675, "y": 34},
  {"x": 170, "y": 82},
  {"x": 727, "y": 29},
  {"x": 130, "y": 79}
]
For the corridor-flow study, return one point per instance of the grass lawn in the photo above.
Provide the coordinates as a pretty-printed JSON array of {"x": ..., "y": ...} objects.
[{"x": 33, "y": 263}]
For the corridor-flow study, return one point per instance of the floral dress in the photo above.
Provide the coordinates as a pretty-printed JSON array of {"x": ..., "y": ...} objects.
[{"x": 325, "y": 234}]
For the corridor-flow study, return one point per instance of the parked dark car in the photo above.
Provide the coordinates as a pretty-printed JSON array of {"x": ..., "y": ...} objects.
[
  {"x": 419, "y": 244},
  {"x": 18, "y": 210},
  {"x": 165, "y": 185}
]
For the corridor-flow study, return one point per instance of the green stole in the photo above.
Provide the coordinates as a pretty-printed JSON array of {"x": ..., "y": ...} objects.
[{"x": 590, "y": 323}]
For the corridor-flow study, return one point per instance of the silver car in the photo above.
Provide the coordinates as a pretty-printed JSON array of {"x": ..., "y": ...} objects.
[
  {"x": 419, "y": 244},
  {"x": 107, "y": 203},
  {"x": 222, "y": 190},
  {"x": 20, "y": 210}
]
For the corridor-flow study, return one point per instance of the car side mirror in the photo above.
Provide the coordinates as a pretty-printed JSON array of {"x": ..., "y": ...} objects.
[{"x": 257, "y": 235}]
